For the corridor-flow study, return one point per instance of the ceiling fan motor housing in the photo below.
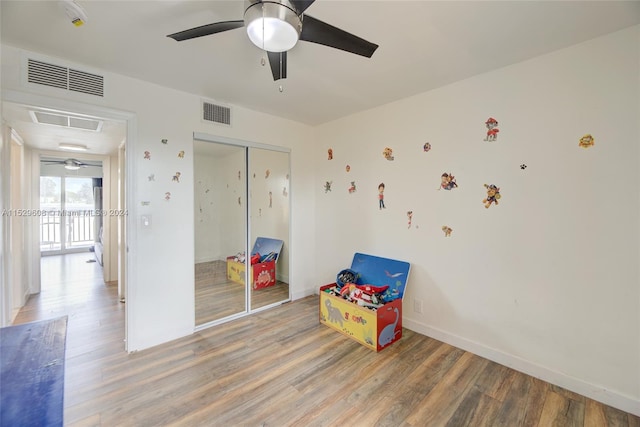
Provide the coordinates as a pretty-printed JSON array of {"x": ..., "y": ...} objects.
[{"x": 274, "y": 26}]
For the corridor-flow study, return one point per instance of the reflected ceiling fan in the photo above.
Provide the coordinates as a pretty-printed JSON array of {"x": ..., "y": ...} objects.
[
  {"x": 275, "y": 26},
  {"x": 71, "y": 164}
]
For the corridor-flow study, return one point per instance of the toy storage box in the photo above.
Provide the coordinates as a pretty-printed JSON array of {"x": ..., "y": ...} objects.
[
  {"x": 375, "y": 329},
  {"x": 262, "y": 274}
]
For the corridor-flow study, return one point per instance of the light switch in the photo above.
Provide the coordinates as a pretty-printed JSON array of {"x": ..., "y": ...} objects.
[{"x": 145, "y": 221}]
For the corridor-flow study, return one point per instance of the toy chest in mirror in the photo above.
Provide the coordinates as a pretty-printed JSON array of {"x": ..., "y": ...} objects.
[
  {"x": 369, "y": 310},
  {"x": 262, "y": 261}
]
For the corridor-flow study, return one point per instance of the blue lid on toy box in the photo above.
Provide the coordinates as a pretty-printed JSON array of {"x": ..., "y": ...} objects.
[
  {"x": 265, "y": 246},
  {"x": 373, "y": 270}
]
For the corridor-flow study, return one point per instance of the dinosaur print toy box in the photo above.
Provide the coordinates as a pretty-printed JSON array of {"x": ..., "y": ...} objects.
[
  {"x": 263, "y": 259},
  {"x": 365, "y": 303}
]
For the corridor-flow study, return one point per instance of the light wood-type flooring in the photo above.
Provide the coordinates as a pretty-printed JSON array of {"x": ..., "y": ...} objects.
[
  {"x": 217, "y": 297},
  {"x": 281, "y": 367}
]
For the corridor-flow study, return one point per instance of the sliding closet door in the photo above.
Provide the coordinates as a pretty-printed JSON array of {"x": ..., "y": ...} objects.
[
  {"x": 220, "y": 197},
  {"x": 269, "y": 183}
]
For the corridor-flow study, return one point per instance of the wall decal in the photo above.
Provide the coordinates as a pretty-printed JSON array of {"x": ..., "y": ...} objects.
[
  {"x": 381, "y": 196},
  {"x": 147, "y": 155},
  {"x": 167, "y": 196},
  {"x": 254, "y": 174},
  {"x": 327, "y": 186},
  {"x": 260, "y": 212},
  {"x": 409, "y": 218},
  {"x": 330, "y": 154},
  {"x": 492, "y": 129},
  {"x": 426, "y": 147},
  {"x": 145, "y": 203},
  {"x": 523, "y": 166},
  {"x": 284, "y": 191},
  {"x": 587, "y": 141},
  {"x": 176, "y": 177},
  {"x": 447, "y": 230},
  {"x": 239, "y": 175},
  {"x": 287, "y": 177},
  {"x": 151, "y": 177},
  {"x": 164, "y": 141},
  {"x": 267, "y": 173},
  {"x": 493, "y": 195},
  {"x": 388, "y": 153},
  {"x": 447, "y": 181},
  {"x": 347, "y": 168},
  {"x": 181, "y": 154},
  {"x": 239, "y": 201},
  {"x": 352, "y": 187}
]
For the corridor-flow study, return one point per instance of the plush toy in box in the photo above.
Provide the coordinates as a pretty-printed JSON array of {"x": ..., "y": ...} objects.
[
  {"x": 263, "y": 259},
  {"x": 365, "y": 303}
]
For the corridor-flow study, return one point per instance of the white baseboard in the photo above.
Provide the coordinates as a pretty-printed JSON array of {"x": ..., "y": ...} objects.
[
  {"x": 592, "y": 391},
  {"x": 303, "y": 294}
]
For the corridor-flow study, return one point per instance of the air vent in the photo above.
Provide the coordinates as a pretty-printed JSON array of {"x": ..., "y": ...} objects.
[
  {"x": 216, "y": 113},
  {"x": 46, "y": 74},
  {"x": 65, "y": 120}
]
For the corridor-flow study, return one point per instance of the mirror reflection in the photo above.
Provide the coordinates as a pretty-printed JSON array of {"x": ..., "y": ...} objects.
[
  {"x": 220, "y": 227},
  {"x": 269, "y": 231}
]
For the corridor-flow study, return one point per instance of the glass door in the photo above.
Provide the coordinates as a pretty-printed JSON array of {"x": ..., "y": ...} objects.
[{"x": 68, "y": 212}]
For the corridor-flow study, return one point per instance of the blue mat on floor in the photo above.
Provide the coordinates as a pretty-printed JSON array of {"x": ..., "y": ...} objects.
[{"x": 32, "y": 373}]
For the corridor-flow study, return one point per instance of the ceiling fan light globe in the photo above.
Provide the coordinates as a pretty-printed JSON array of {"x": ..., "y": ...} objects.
[
  {"x": 272, "y": 26},
  {"x": 72, "y": 167}
]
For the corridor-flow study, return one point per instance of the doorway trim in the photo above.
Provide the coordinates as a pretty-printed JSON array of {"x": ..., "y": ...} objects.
[{"x": 42, "y": 101}]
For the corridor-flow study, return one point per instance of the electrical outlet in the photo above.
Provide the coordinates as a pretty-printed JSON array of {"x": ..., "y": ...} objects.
[{"x": 417, "y": 306}]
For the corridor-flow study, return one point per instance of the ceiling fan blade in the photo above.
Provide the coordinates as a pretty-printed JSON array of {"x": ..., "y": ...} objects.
[
  {"x": 278, "y": 62},
  {"x": 205, "y": 30},
  {"x": 316, "y": 31},
  {"x": 301, "y": 5}
]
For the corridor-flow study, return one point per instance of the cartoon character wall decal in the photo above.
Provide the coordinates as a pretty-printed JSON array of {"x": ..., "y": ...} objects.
[
  {"x": 181, "y": 154},
  {"x": 388, "y": 153},
  {"x": 239, "y": 201},
  {"x": 267, "y": 173},
  {"x": 523, "y": 166},
  {"x": 176, "y": 177},
  {"x": 587, "y": 141},
  {"x": 147, "y": 155},
  {"x": 167, "y": 196},
  {"x": 381, "y": 196},
  {"x": 492, "y": 129},
  {"x": 447, "y": 230},
  {"x": 330, "y": 154},
  {"x": 347, "y": 168},
  {"x": 409, "y": 218},
  {"x": 327, "y": 186},
  {"x": 164, "y": 141},
  {"x": 270, "y": 199},
  {"x": 426, "y": 147},
  {"x": 284, "y": 191},
  {"x": 493, "y": 195},
  {"x": 447, "y": 181},
  {"x": 151, "y": 177},
  {"x": 239, "y": 175},
  {"x": 352, "y": 187}
]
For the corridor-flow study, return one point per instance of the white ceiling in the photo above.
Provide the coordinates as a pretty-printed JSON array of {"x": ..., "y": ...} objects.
[{"x": 423, "y": 45}]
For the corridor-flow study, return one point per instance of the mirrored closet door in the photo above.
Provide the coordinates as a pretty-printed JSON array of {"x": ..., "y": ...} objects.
[
  {"x": 220, "y": 228},
  {"x": 269, "y": 223},
  {"x": 241, "y": 225}
]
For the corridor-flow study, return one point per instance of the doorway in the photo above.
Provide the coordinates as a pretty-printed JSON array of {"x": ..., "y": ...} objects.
[
  {"x": 77, "y": 227},
  {"x": 70, "y": 207}
]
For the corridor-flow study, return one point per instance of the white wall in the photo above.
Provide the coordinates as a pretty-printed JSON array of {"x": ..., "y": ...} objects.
[
  {"x": 547, "y": 281},
  {"x": 160, "y": 297}
]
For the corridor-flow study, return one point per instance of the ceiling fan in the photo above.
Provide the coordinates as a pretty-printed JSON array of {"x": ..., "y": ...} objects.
[
  {"x": 71, "y": 164},
  {"x": 275, "y": 26}
]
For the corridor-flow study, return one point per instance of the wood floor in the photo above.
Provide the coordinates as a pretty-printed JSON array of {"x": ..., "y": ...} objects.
[
  {"x": 217, "y": 297},
  {"x": 280, "y": 367}
]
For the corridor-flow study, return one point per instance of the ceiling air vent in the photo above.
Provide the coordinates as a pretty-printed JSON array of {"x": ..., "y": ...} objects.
[
  {"x": 46, "y": 74},
  {"x": 216, "y": 113}
]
